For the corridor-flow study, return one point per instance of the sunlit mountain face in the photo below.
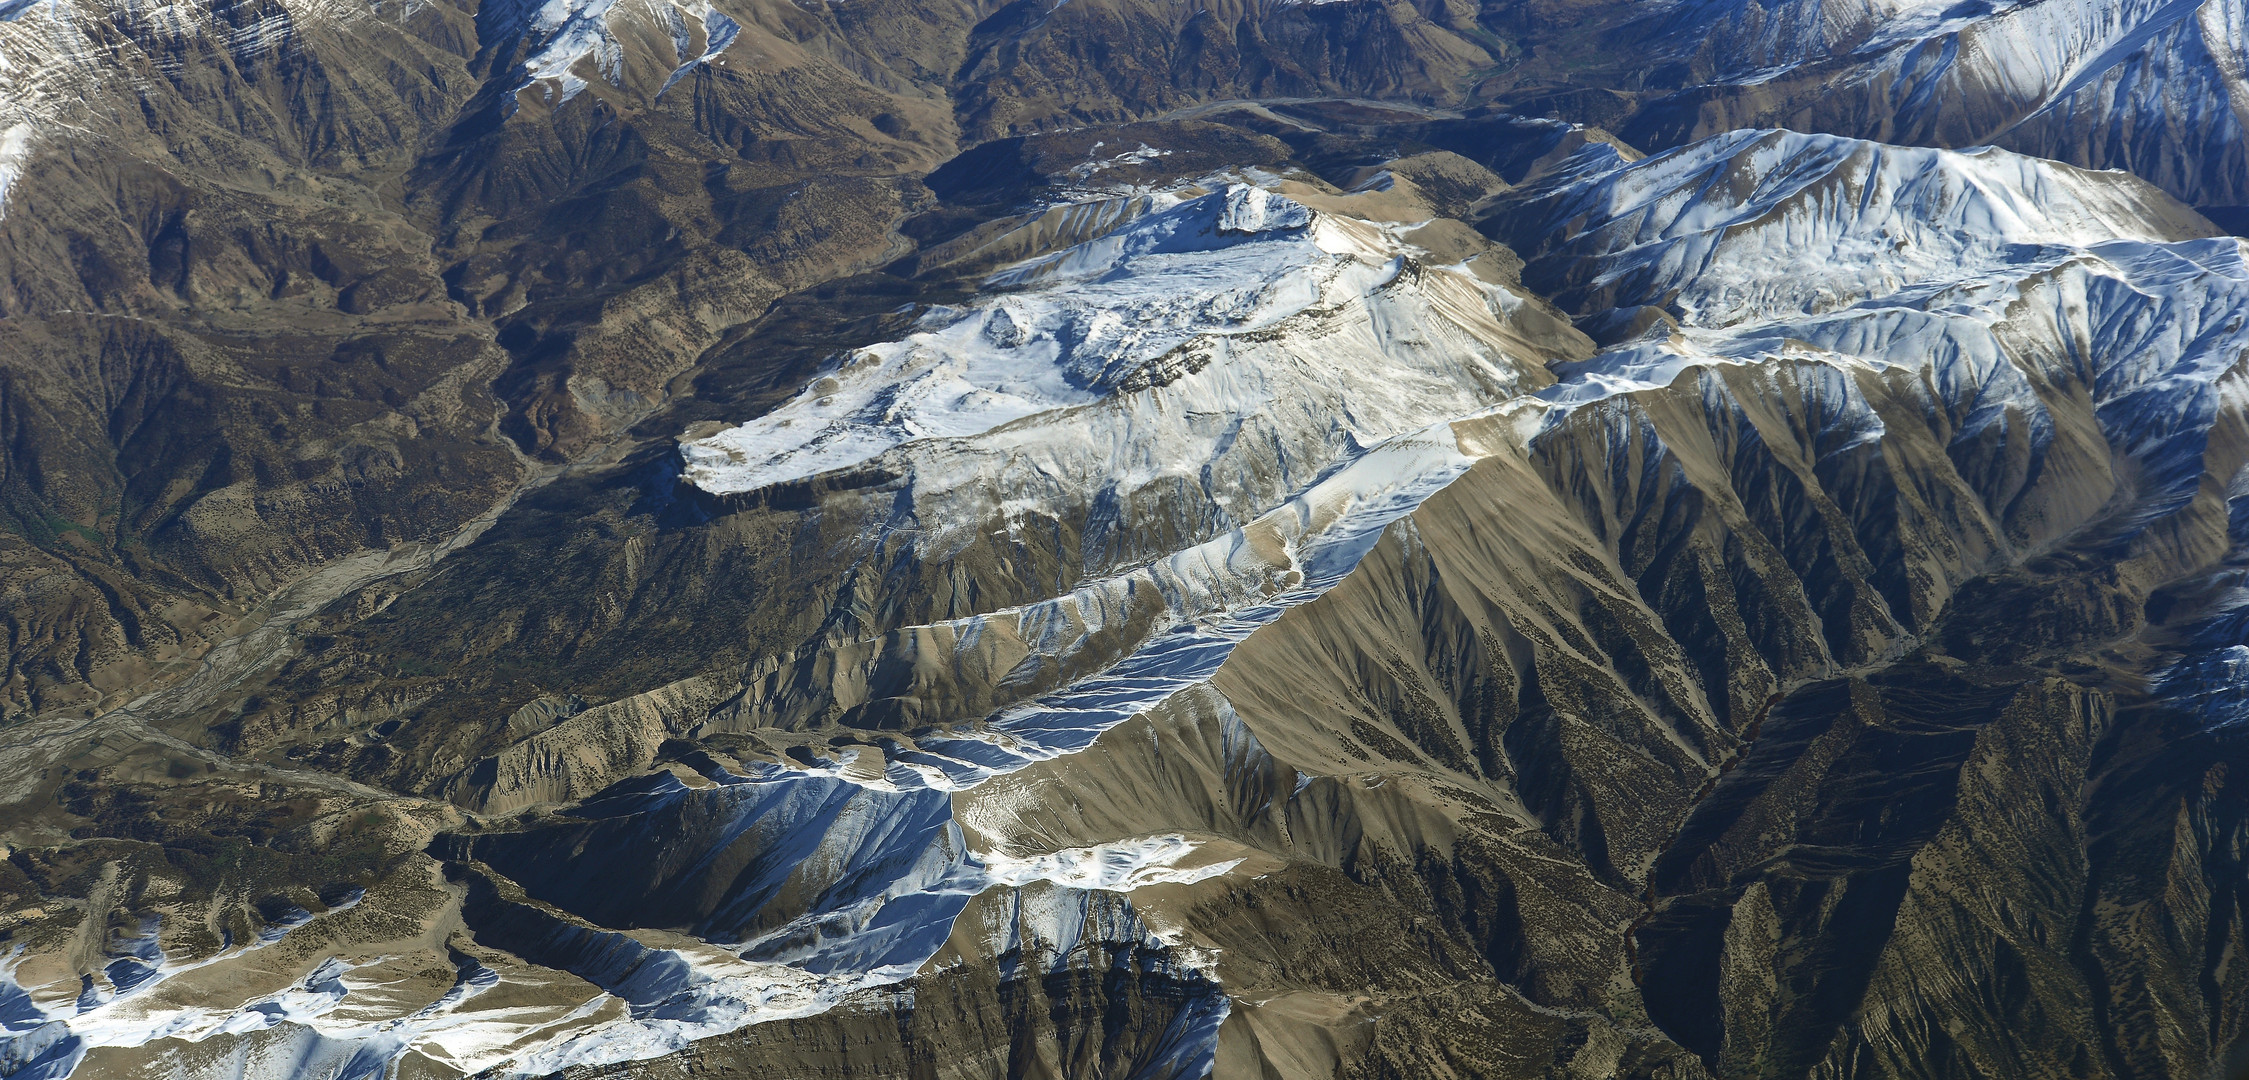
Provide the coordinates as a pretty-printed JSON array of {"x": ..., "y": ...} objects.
[{"x": 1121, "y": 540}]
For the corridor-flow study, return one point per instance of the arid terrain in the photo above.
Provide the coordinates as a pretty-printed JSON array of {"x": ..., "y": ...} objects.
[{"x": 1123, "y": 540}]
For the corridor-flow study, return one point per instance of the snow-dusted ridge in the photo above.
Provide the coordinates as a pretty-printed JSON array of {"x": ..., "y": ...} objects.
[
  {"x": 47, "y": 1041},
  {"x": 1121, "y": 866},
  {"x": 880, "y": 831},
  {"x": 2160, "y": 86},
  {"x": 1758, "y": 225},
  {"x": 1298, "y": 311},
  {"x": 2011, "y": 293},
  {"x": 888, "y": 873},
  {"x": 1992, "y": 278},
  {"x": 1150, "y": 305},
  {"x": 1209, "y": 598},
  {"x": 1847, "y": 254},
  {"x": 52, "y": 66},
  {"x": 1995, "y": 275},
  {"x": 558, "y": 36}
]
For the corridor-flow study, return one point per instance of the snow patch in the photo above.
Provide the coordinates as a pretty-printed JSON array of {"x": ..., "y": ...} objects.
[
  {"x": 15, "y": 153},
  {"x": 1989, "y": 272},
  {"x": 1140, "y": 156},
  {"x": 1119, "y": 866},
  {"x": 1222, "y": 264},
  {"x": 558, "y": 35}
]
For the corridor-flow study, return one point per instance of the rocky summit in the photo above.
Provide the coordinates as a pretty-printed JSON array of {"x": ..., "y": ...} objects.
[{"x": 1124, "y": 540}]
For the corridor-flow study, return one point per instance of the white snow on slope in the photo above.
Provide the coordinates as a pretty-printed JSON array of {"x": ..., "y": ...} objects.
[
  {"x": 1121, "y": 866},
  {"x": 2025, "y": 46},
  {"x": 1193, "y": 368},
  {"x": 47, "y": 1040},
  {"x": 1082, "y": 324},
  {"x": 51, "y": 66},
  {"x": 57, "y": 57},
  {"x": 567, "y": 31},
  {"x": 719, "y": 31},
  {"x": 345, "y": 1020},
  {"x": 1212, "y": 597},
  {"x": 1752, "y": 225},
  {"x": 1846, "y": 254},
  {"x": 881, "y": 877},
  {"x": 47, "y": 65},
  {"x": 2159, "y": 86},
  {"x": 15, "y": 153},
  {"x": 1989, "y": 275},
  {"x": 558, "y": 34},
  {"x": 1997, "y": 282},
  {"x": 2169, "y": 100},
  {"x": 1994, "y": 276},
  {"x": 1250, "y": 261}
]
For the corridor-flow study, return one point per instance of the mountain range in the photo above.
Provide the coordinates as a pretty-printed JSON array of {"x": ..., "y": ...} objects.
[{"x": 1123, "y": 540}]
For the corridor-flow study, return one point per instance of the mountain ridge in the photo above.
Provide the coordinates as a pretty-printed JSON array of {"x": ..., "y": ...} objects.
[{"x": 1115, "y": 540}]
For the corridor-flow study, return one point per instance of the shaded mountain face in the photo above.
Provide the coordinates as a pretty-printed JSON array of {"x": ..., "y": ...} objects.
[
  {"x": 2154, "y": 89},
  {"x": 1122, "y": 540}
]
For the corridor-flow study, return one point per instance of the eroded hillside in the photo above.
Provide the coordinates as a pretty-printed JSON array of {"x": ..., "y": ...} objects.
[{"x": 1108, "y": 540}]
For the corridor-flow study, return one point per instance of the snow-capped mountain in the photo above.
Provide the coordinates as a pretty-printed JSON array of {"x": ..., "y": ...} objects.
[
  {"x": 2154, "y": 88},
  {"x": 2007, "y": 285},
  {"x": 2081, "y": 321},
  {"x": 1164, "y": 368},
  {"x": 1122, "y": 540},
  {"x": 1302, "y": 443},
  {"x": 2058, "y": 313},
  {"x": 1231, "y": 357}
]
